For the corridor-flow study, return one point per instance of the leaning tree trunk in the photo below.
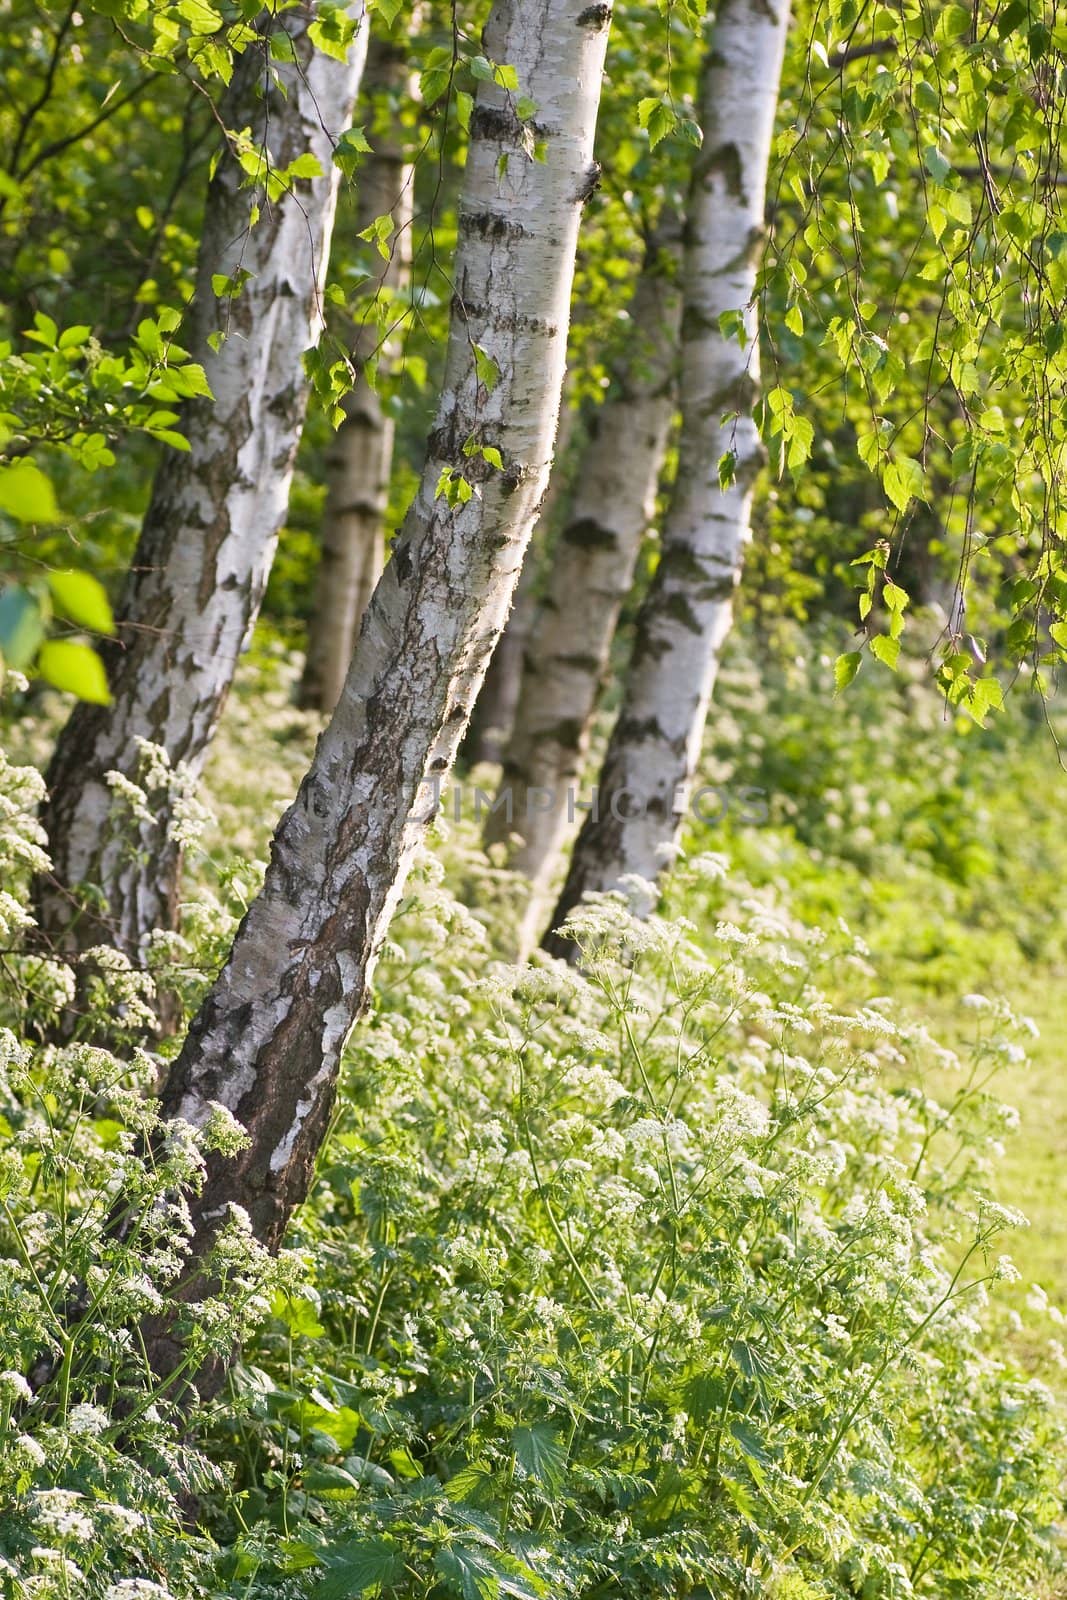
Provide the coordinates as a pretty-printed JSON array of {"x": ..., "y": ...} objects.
[
  {"x": 360, "y": 457},
  {"x": 592, "y": 568},
  {"x": 652, "y": 755},
  {"x": 493, "y": 716},
  {"x": 268, "y": 1038},
  {"x": 208, "y": 538}
]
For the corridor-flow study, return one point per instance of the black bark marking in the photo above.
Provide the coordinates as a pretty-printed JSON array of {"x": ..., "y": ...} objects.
[
  {"x": 589, "y": 534},
  {"x": 595, "y": 17},
  {"x": 402, "y": 563},
  {"x": 490, "y": 225}
]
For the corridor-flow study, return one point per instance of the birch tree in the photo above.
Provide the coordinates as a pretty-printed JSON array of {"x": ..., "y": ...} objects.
[
  {"x": 567, "y": 655},
  {"x": 360, "y": 456},
  {"x": 267, "y": 1040},
  {"x": 652, "y": 755},
  {"x": 493, "y": 716},
  {"x": 209, "y": 535}
]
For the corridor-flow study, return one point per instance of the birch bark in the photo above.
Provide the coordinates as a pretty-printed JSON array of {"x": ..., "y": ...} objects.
[
  {"x": 644, "y": 785},
  {"x": 567, "y": 655},
  {"x": 360, "y": 458},
  {"x": 269, "y": 1035},
  {"x": 209, "y": 535},
  {"x": 493, "y": 717}
]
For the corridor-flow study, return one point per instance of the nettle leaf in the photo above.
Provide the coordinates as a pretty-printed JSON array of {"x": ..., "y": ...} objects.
[
  {"x": 480, "y": 1575},
  {"x": 354, "y": 1568},
  {"x": 473, "y": 1482},
  {"x": 540, "y": 1453},
  {"x": 83, "y": 599},
  {"x": 26, "y": 494},
  {"x": 75, "y": 668},
  {"x": 845, "y": 669}
]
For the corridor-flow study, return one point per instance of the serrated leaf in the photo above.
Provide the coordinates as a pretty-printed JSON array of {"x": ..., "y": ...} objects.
[
  {"x": 469, "y": 1483},
  {"x": 886, "y": 650},
  {"x": 904, "y": 481},
  {"x": 486, "y": 368},
  {"x": 478, "y": 1575},
  {"x": 82, "y": 598},
  {"x": 75, "y": 668},
  {"x": 354, "y": 1568},
  {"x": 986, "y": 696},
  {"x": 845, "y": 669},
  {"x": 540, "y": 1453}
]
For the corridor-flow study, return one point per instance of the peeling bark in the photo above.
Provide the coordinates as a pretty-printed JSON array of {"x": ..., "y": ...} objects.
[
  {"x": 360, "y": 457},
  {"x": 208, "y": 538},
  {"x": 654, "y": 748},
  {"x": 268, "y": 1038},
  {"x": 592, "y": 569}
]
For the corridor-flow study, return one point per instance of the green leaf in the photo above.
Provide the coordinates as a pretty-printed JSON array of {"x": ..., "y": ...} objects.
[
  {"x": 354, "y": 1568},
  {"x": 82, "y": 598},
  {"x": 658, "y": 118},
  {"x": 845, "y": 669},
  {"x": 540, "y": 1453},
  {"x": 470, "y": 1483},
  {"x": 954, "y": 22},
  {"x": 327, "y": 1479},
  {"x": 73, "y": 338},
  {"x": 299, "y": 1314},
  {"x": 986, "y": 696},
  {"x": 486, "y": 368},
  {"x": 904, "y": 481},
  {"x": 26, "y": 494},
  {"x": 477, "y": 1575},
  {"x": 356, "y": 140},
  {"x": 76, "y": 668},
  {"x": 333, "y": 31},
  {"x": 21, "y": 626},
  {"x": 885, "y": 649}
]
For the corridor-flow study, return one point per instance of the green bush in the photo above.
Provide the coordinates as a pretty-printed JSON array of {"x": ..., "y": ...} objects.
[
  {"x": 663, "y": 1278},
  {"x": 645, "y": 1282}
]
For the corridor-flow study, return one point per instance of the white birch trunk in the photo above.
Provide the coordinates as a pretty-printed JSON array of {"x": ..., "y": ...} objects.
[
  {"x": 208, "y": 538},
  {"x": 268, "y": 1038},
  {"x": 360, "y": 457},
  {"x": 653, "y": 752},
  {"x": 493, "y": 716},
  {"x": 568, "y": 651}
]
